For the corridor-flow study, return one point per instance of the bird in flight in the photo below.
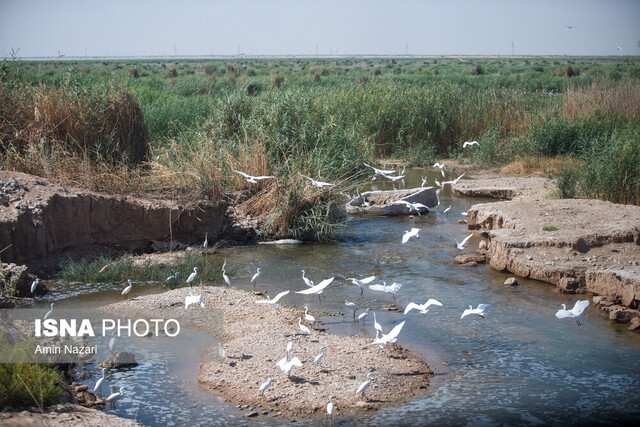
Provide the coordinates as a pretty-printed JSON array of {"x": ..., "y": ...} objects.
[
  {"x": 574, "y": 313},
  {"x": 409, "y": 234},
  {"x": 461, "y": 245},
  {"x": 380, "y": 171},
  {"x": 318, "y": 184},
  {"x": 478, "y": 310},
  {"x": 468, "y": 143},
  {"x": 252, "y": 179}
]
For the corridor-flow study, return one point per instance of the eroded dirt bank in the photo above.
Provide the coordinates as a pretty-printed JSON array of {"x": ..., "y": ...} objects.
[
  {"x": 256, "y": 337},
  {"x": 41, "y": 222},
  {"x": 578, "y": 245}
]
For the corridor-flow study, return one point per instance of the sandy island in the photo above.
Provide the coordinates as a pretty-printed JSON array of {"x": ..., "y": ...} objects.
[{"x": 256, "y": 337}]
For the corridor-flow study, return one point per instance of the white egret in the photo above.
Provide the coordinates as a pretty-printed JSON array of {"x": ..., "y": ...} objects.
[
  {"x": 254, "y": 279},
  {"x": 461, "y": 245},
  {"x": 422, "y": 308},
  {"x": 112, "y": 342},
  {"x": 619, "y": 48},
  {"x": 317, "y": 289},
  {"x": 99, "y": 382},
  {"x": 318, "y": 184},
  {"x": 307, "y": 317},
  {"x": 330, "y": 408},
  {"x": 363, "y": 316},
  {"x": 206, "y": 241},
  {"x": 352, "y": 306},
  {"x": 411, "y": 206},
  {"x": 286, "y": 367},
  {"x": 360, "y": 282},
  {"x": 192, "y": 275},
  {"x": 303, "y": 328},
  {"x": 438, "y": 184},
  {"x": 390, "y": 337},
  {"x": 264, "y": 386},
  {"x": 174, "y": 276},
  {"x": 252, "y": 179},
  {"x": 34, "y": 285},
  {"x": 575, "y": 312},
  {"x": 376, "y": 325},
  {"x": 273, "y": 302},
  {"x": 380, "y": 171},
  {"x": 390, "y": 289},
  {"x": 468, "y": 143},
  {"x": 478, "y": 310},
  {"x": 455, "y": 181},
  {"x": 364, "y": 386},
  {"x": 409, "y": 234},
  {"x": 319, "y": 357},
  {"x": 128, "y": 288},
  {"x": 115, "y": 396},
  {"x": 424, "y": 181},
  {"x": 193, "y": 299},
  {"x": 289, "y": 347},
  {"x": 442, "y": 167},
  {"x": 307, "y": 282},
  {"x": 394, "y": 178},
  {"x": 447, "y": 210}
]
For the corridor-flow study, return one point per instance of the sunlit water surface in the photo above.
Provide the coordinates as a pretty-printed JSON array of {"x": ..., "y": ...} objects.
[{"x": 520, "y": 365}]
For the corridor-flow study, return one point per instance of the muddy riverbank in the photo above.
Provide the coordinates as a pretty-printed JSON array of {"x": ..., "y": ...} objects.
[
  {"x": 255, "y": 337},
  {"x": 578, "y": 245},
  {"x": 42, "y": 223}
]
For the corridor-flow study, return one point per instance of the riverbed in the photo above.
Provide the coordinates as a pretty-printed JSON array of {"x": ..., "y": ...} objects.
[{"x": 519, "y": 365}]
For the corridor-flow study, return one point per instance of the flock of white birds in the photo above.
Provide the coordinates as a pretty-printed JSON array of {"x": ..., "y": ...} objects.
[{"x": 289, "y": 361}]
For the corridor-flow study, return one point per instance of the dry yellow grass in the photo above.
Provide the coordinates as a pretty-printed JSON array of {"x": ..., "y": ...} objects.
[{"x": 537, "y": 166}]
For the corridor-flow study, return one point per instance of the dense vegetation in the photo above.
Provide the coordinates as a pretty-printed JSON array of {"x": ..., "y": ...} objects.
[{"x": 80, "y": 121}]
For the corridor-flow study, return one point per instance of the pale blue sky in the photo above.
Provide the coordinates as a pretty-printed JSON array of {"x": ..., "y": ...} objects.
[{"x": 290, "y": 27}]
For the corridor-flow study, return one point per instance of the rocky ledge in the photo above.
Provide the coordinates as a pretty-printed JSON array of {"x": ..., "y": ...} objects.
[{"x": 578, "y": 245}]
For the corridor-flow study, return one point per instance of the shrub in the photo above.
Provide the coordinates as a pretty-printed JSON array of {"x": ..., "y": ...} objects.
[
  {"x": 477, "y": 70},
  {"x": 24, "y": 385},
  {"x": 173, "y": 73}
]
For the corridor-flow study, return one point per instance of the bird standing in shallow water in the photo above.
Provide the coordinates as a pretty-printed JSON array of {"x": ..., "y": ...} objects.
[
  {"x": 99, "y": 382},
  {"x": 330, "y": 408},
  {"x": 254, "y": 279},
  {"x": 352, "y": 306},
  {"x": 115, "y": 396},
  {"x": 34, "y": 285},
  {"x": 128, "y": 288}
]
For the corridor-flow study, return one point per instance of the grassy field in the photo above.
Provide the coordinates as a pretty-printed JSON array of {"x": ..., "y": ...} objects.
[{"x": 184, "y": 125}]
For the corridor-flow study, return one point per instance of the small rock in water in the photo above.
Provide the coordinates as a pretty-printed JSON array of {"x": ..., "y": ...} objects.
[
  {"x": 251, "y": 414},
  {"x": 511, "y": 281},
  {"x": 119, "y": 359}
]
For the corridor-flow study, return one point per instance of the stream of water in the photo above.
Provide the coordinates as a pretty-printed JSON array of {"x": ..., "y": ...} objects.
[{"x": 520, "y": 365}]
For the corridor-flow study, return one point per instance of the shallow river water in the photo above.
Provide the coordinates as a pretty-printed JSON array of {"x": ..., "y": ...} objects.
[{"x": 519, "y": 366}]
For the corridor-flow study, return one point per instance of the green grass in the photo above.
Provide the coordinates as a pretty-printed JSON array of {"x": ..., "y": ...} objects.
[
  {"x": 114, "y": 268},
  {"x": 324, "y": 117},
  {"x": 549, "y": 228}
]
